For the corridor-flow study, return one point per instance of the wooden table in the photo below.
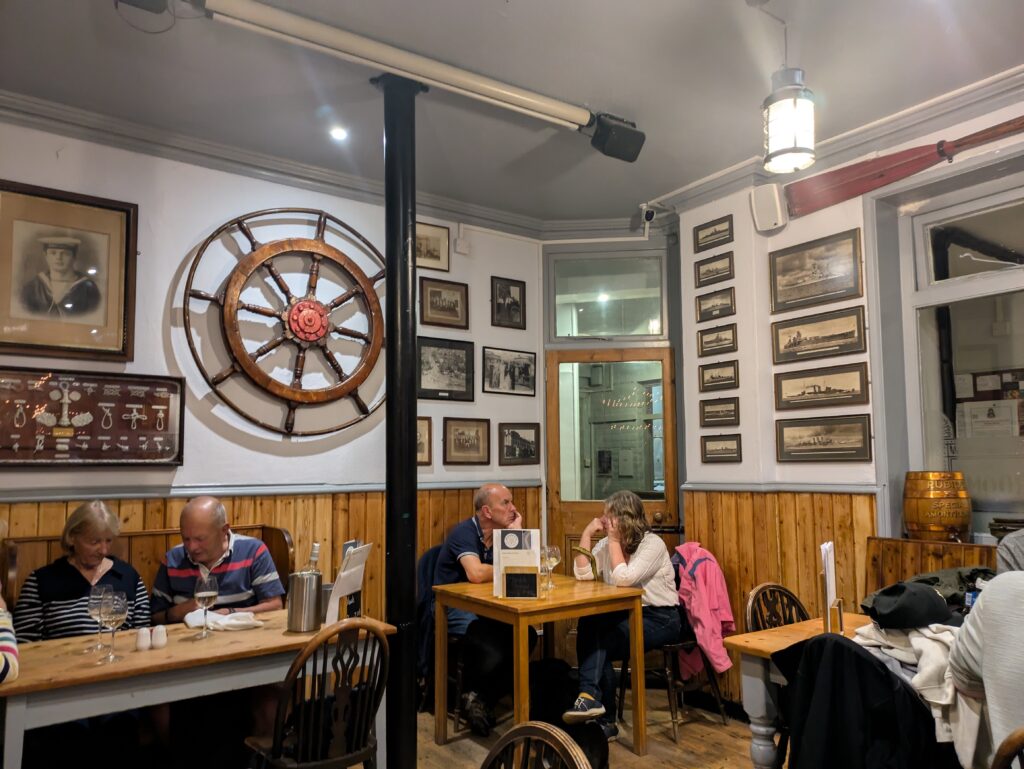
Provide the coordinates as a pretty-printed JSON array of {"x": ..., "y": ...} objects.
[
  {"x": 759, "y": 676},
  {"x": 570, "y": 598},
  {"x": 58, "y": 684}
]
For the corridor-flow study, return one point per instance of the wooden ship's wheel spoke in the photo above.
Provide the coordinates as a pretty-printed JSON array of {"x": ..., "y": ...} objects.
[{"x": 305, "y": 320}]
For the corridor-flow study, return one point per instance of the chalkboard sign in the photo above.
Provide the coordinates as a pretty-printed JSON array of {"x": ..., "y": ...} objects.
[{"x": 520, "y": 582}]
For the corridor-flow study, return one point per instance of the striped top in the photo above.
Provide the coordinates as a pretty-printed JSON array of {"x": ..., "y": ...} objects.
[
  {"x": 54, "y": 601},
  {"x": 245, "y": 574},
  {"x": 8, "y": 649}
]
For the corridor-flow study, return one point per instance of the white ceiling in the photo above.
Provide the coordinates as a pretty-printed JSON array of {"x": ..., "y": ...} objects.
[{"x": 690, "y": 73}]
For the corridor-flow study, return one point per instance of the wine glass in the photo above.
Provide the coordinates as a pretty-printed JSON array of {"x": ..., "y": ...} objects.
[
  {"x": 553, "y": 556},
  {"x": 543, "y": 584},
  {"x": 206, "y": 596},
  {"x": 113, "y": 613},
  {"x": 94, "y": 609}
]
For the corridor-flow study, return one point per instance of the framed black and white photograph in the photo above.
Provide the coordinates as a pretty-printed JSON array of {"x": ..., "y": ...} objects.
[
  {"x": 432, "y": 247},
  {"x": 719, "y": 376},
  {"x": 716, "y": 304},
  {"x": 824, "y": 439},
  {"x": 714, "y": 269},
  {"x": 717, "y": 340},
  {"x": 424, "y": 441},
  {"x": 720, "y": 412},
  {"x": 509, "y": 372},
  {"x": 840, "y": 332},
  {"x": 721, "y": 448},
  {"x": 508, "y": 302},
  {"x": 817, "y": 388},
  {"x": 717, "y": 232},
  {"x": 444, "y": 303},
  {"x": 604, "y": 461},
  {"x": 467, "y": 441},
  {"x": 445, "y": 369},
  {"x": 518, "y": 443},
  {"x": 67, "y": 274},
  {"x": 821, "y": 271}
]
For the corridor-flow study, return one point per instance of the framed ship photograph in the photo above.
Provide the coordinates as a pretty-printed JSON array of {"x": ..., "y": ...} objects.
[
  {"x": 714, "y": 269},
  {"x": 719, "y": 376},
  {"x": 711, "y": 234},
  {"x": 717, "y": 340},
  {"x": 824, "y": 439},
  {"x": 720, "y": 412},
  {"x": 840, "y": 332},
  {"x": 817, "y": 388},
  {"x": 444, "y": 303},
  {"x": 716, "y": 304},
  {"x": 467, "y": 441},
  {"x": 67, "y": 274},
  {"x": 721, "y": 448},
  {"x": 819, "y": 272},
  {"x": 445, "y": 369}
]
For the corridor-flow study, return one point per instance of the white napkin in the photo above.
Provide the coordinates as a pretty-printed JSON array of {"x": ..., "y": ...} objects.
[{"x": 240, "y": 620}]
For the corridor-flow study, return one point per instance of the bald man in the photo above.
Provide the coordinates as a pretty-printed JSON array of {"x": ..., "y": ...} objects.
[
  {"x": 246, "y": 575},
  {"x": 467, "y": 556}
]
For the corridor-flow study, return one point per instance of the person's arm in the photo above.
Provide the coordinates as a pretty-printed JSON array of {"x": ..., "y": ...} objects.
[
  {"x": 476, "y": 570},
  {"x": 266, "y": 584},
  {"x": 966, "y": 655},
  {"x": 581, "y": 568},
  {"x": 139, "y": 615},
  {"x": 8, "y": 645},
  {"x": 28, "y": 612},
  {"x": 162, "y": 606},
  {"x": 643, "y": 565}
]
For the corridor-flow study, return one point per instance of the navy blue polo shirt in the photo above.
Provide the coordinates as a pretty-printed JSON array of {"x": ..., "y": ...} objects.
[{"x": 465, "y": 539}]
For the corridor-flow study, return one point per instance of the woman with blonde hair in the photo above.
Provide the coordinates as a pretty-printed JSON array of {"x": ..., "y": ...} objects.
[
  {"x": 54, "y": 601},
  {"x": 629, "y": 555}
]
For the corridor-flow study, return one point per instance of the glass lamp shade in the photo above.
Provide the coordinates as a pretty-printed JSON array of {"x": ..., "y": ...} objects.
[{"x": 788, "y": 124}]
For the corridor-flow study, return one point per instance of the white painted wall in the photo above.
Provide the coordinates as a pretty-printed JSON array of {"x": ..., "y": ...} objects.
[{"x": 179, "y": 205}]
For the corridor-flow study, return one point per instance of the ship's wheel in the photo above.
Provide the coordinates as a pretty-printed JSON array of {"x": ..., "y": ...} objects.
[{"x": 300, "y": 319}]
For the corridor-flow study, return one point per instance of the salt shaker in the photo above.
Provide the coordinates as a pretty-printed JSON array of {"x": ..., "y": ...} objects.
[
  {"x": 159, "y": 637},
  {"x": 142, "y": 639}
]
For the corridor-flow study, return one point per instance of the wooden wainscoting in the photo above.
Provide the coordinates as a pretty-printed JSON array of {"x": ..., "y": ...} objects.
[
  {"x": 893, "y": 560},
  {"x": 773, "y": 537},
  {"x": 330, "y": 519}
]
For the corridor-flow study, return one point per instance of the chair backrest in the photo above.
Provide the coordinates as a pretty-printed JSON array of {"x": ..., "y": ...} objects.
[
  {"x": 772, "y": 605},
  {"x": 535, "y": 745},
  {"x": 1012, "y": 747},
  {"x": 329, "y": 699}
]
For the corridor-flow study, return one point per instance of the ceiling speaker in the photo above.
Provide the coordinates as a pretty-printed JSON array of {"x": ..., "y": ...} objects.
[
  {"x": 617, "y": 138},
  {"x": 768, "y": 206}
]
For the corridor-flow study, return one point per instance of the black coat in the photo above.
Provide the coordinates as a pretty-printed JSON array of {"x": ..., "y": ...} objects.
[{"x": 848, "y": 711}]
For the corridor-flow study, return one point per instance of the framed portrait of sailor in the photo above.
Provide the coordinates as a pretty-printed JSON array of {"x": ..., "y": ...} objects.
[{"x": 67, "y": 273}]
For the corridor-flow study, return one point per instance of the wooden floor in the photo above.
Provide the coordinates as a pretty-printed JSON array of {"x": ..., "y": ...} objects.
[{"x": 703, "y": 742}]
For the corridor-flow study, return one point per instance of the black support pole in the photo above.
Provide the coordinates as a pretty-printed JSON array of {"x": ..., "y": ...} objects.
[{"x": 400, "y": 474}]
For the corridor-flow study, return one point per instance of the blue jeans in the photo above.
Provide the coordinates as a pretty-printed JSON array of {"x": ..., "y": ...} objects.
[{"x": 602, "y": 638}]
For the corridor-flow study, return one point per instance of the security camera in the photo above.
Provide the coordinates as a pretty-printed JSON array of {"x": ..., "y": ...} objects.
[{"x": 647, "y": 213}]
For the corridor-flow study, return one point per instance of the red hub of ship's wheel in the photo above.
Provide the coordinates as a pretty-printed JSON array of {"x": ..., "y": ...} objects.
[{"x": 307, "y": 320}]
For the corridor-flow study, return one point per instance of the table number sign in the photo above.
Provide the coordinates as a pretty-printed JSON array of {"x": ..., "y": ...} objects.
[
  {"x": 55, "y": 417},
  {"x": 516, "y": 563}
]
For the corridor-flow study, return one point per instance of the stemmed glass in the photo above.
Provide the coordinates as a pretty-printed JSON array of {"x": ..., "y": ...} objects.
[
  {"x": 552, "y": 556},
  {"x": 94, "y": 608},
  {"x": 206, "y": 596},
  {"x": 113, "y": 613}
]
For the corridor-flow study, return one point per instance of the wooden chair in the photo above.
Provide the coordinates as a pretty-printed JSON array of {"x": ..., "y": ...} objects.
[
  {"x": 772, "y": 605},
  {"x": 1011, "y": 748},
  {"x": 329, "y": 700},
  {"x": 535, "y": 745}
]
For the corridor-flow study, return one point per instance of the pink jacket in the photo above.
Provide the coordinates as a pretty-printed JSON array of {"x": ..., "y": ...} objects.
[{"x": 702, "y": 590}]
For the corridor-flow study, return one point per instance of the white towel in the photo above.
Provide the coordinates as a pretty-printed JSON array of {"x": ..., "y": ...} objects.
[{"x": 240, "y": 620}]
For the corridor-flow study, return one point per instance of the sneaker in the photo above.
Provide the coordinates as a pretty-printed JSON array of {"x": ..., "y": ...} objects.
[
  {"x": 586, "y": 708},
  {"x": 611, "y": 731},
  {"x": 475, "y": 713}
]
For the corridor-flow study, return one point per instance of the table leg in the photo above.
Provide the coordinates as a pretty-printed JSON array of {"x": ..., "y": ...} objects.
[
  {"x": 636, "y": 656},
  {"x": 440, "y": 672},
  {"x": 521, "y": 669},
  {"x": 760, "y": 708},
  {"x": 549, "y": 640},
  {"x": 14, "y": 711}
]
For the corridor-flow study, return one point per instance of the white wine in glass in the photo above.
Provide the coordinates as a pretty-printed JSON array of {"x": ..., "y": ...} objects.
[
  {"x": 113, "y": 613},
  {"x": 553, "y": 556},
  {"x": 206, "y": 596},
  {"x": 95, "y": 609}
]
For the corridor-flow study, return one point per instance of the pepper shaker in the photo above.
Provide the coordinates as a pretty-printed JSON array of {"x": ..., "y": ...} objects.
[
  {"x": 142, "y": 639},
  {"x": 159, "y": 637}
]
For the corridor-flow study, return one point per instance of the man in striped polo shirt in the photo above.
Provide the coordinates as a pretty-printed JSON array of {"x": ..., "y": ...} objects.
[{"x": 246, "y": 575}]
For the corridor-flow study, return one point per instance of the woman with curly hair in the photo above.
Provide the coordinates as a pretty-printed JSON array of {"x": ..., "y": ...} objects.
[{"x": 629, "y": 555}]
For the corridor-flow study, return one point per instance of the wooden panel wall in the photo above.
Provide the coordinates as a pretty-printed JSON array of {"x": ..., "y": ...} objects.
[
  {"x": 330, "y": 519},
  {"x": 773, "y": 537},
  {"x": 893, "y": 560}
]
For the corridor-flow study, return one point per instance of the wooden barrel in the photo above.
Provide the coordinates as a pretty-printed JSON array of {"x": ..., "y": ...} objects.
[{"x": 936, "y": 506}]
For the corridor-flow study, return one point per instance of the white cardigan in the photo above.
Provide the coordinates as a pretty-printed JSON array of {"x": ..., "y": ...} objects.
[{"x": 649, "y": 567}]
